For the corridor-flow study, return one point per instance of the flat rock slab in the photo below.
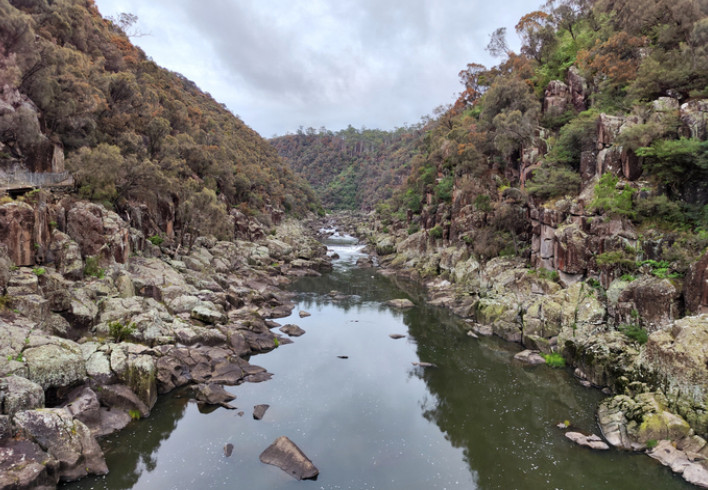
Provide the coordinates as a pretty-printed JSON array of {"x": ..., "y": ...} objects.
[
  {"x": 285, "y": 454},
  {"x": 592, "y": 441},
  {"x": 259, "y": 411},
  {"x": 292, "y": 330},
  {"x": 531, "y": 357},
  {"x": 400, "y": 304}
]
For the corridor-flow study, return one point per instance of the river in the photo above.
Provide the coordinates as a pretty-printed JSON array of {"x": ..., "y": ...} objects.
[{"x": 351, "y": 398}]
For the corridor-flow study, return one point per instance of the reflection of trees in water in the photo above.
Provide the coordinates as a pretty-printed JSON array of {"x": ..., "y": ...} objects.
[{"x": 134, "y": 449}]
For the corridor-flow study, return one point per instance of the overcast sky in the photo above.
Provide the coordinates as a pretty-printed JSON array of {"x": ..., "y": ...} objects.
[{"x": 281, "y": 64}]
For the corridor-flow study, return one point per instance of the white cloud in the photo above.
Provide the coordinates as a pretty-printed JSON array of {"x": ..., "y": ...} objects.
[{"x": 280, "y": 64}]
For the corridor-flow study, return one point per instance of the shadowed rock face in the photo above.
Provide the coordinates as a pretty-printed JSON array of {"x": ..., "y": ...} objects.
[{"x": 284, "y": 454}]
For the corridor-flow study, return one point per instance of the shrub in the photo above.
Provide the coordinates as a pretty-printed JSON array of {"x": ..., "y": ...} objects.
[
  {"x": 482, "y": 203},
  {"x": 554, "y": 181},
  {"x": 413, "y": 228},
  {"x": 443, "y": 190},
  {"x": 120, "y": 332},
  {"x": 611, "y": 200},
  {"x": 436, "y": 232},
  {"x": 554, "y": 360},
  {"x": 547, "y": 274},
  {"x": 91, "y": 268},
  {"x": 39, "y": 271},
  {"x": 635, "y": 332},
  {"x": 156, "y": 240}
]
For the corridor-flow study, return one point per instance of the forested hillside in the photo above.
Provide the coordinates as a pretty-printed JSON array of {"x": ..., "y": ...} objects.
[
  {"x": 73, "y": 85},
  {"x": 603, "y": 112},
  {"x": 351, "y": 169}
]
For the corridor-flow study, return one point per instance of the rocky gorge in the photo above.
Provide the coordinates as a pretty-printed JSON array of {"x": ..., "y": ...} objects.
[
  {"x": 655, "y": 386},
  {"x": 97, "y": 321}
]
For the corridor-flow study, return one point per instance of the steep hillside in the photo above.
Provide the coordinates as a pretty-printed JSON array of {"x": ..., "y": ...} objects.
[
  {"x": 73, "y": 86},
  {"x": 351, "y": 169},
  {"x": 603, "y": 113}
]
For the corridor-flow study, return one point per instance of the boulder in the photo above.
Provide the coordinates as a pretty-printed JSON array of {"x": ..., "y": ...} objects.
[
  {"x": 657, "y": 301},
  {"x": 694, "y": 116},
  {"x": 67, "y": 440},
  {"x": 578, "y": 88},
  {"x": 630, "y": 423},
  {"x": 98, "y": 232},
  {"x": 55, "y": 365},
  {"x": 530, "y": 357},
  {"x": 24, "y": 464},
  {"x": 285, "y": 454},
  {"x": 693, "y": 470},
  {"x": 678, "y": 356},
  {"x": 67, "y": 256},
  {"x": 555, "y": 100},
  {"x": 400, "y": 304},
  {"x": 259, "y": 411},
  {"x": 592, "y": 441},
  {"x": 292, "y": 330},
  {"x": 206, "y": 314},
  {"x": 213, "y": 394},
  {"x": 18, "y": 394},
  {"x": 121, "y": 397}
]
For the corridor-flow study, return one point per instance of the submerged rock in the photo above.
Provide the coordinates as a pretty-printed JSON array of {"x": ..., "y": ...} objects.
[
  {"x": 396, "y": 336},
  {"x": 285, "y": 454},
  {"x": 304, "y": 314}
]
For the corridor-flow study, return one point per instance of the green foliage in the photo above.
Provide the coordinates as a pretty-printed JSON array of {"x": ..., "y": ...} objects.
[
  {"x": 276, "y": 342},
  {"x": 635, "y": 332},
  {"x": 443, "y": 190},
  {"x": 660, "y": 269},
  {"x": 627, "y": 277},
  {"x": 134, "y": 414},
  {"x": 92, "y": 269},
  {"x": 119, "y": 331},
  {"x": 612, "y": 200},
  {"x": 553, "y": 181},
  {"x": 482, "y": 203},
  {"x": 5, "y": 301},
  {"x": 413, "y": 228},
  {"x": 677, "y": 164},
  {"x": 39, "y": 271},
  {"x": 547, "y": 274},
  {"x": 618, "y": 259},
  {"x": 436, "y": 232},
  {"x": 156, "y": 240},
  {"x": 652, "y": 443},
  {"x": 554, "y": 360},
  {"x": 574, "y": 138}
]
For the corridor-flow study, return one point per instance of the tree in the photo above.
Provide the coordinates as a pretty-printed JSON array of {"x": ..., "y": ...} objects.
[{"x": 497, "y": 45}]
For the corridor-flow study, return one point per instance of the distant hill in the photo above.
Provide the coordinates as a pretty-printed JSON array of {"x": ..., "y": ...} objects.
[{"x": 352, "y": 168}]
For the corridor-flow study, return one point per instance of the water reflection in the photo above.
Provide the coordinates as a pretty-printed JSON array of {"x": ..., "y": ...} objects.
[{"x": 374, "y": 420}]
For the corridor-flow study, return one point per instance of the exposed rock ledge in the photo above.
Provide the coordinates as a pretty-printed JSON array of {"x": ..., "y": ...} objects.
[{"x": 107, "y": 322}]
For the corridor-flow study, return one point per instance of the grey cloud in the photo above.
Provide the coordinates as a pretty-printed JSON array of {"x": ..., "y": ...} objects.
[{"x": 373, "y": 63}]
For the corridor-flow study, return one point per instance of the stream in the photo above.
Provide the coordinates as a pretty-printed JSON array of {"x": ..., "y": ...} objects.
[{"x": 351, "y": 398}]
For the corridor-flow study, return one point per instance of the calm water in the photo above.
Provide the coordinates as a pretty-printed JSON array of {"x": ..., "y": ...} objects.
[{"x": 374, "y": 420}]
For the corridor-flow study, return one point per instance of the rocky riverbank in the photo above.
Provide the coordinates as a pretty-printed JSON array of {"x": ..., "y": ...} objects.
[
  {"x": 96, "y": 322},
  {"x": 628, "y": 339}
]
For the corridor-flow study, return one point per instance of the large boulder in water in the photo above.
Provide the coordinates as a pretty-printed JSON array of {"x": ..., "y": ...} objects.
[{"x": 285, "y": 454}]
